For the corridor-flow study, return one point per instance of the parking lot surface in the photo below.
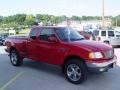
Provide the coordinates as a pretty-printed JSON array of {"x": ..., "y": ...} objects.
[{"x": 39, "y": 76}]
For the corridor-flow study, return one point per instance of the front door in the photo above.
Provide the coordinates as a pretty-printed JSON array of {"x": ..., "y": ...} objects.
[{"x": 48, "y": 51}]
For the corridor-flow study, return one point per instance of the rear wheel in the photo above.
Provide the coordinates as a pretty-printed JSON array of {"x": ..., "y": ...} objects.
[
  {"x": 75, "y": 71},
  {"x": 15, "y": 59}
]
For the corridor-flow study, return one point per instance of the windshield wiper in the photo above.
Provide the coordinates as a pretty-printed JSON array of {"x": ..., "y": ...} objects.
[{"x": 77, "y": 39}]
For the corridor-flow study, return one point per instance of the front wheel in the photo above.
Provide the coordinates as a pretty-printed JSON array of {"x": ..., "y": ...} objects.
[
  {"x": 75, "y": 71},
  {"x": 15, "y": 59}
]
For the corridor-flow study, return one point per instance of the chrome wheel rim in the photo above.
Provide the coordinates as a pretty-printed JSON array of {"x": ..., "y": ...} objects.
[
  {"x": 73, "y": 72},
  {"x": 14, "y": 58}
]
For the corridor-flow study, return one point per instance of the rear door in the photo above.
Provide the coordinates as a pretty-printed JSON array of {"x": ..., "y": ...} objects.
[{"x": 32, "y": 44}]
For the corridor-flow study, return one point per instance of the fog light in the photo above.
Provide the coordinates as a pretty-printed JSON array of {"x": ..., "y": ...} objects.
[{"x": 102, "y": 69}]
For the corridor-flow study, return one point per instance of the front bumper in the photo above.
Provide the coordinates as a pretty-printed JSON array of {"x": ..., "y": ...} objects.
[{"x": 101, "y": 67}]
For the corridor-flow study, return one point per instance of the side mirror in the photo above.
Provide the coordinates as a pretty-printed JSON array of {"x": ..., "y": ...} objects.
[
  {"x": 33, "y": 37},
  {"x": 53, "y": 39}
]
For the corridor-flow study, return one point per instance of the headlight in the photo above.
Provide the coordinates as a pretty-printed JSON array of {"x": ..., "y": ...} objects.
[{"x": 95, "y": 55}]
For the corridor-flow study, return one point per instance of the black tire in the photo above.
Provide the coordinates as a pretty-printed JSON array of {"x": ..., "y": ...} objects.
[
  {"x": 79, "y": 65},
  {"x": 15, "y": 59}
]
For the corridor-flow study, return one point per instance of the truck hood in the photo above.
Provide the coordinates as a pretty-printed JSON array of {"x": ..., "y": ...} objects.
[{"x": 91, "y": 45}]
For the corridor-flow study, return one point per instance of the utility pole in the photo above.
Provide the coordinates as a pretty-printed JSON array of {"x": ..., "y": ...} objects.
[
  {"x": 103, "y": 19},
  {"x": 116, "y": 22}
]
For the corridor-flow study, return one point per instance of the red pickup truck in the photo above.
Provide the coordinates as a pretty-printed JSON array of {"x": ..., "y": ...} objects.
[{"x": 64, "y": 47}]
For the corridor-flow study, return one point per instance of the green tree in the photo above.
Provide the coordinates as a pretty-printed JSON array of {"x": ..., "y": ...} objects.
[
  {"x": 76, "y": 18},
  {"x": 29, "y": 20},
  {"x": 20, "y": 18},
  {"x": 84, "y": 18},
  {"x": 1, "y": 19},
  {"x": 116, "y": 21}
]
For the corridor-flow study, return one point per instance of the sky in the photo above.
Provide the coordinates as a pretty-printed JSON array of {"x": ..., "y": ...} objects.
[{"x": 59, "y": 7}]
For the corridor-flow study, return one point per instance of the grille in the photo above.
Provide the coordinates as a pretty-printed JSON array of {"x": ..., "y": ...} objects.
[{"x": 108, "y": 54}]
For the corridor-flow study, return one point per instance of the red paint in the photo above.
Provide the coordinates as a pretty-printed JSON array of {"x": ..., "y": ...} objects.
[{"x": 56, "y": 52}]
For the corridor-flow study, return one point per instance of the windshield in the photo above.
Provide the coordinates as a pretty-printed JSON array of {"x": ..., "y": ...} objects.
[{"x": 68, "y": 34}]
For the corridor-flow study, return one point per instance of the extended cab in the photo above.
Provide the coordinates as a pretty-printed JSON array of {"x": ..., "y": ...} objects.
[{"x": 62, "y": 46}]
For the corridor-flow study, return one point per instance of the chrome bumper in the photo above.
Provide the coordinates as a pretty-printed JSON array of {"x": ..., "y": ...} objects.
[{"x": 101, "y": 66}]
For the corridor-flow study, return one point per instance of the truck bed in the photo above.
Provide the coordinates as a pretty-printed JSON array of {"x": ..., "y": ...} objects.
[
  {"x": 19, "y": 42},
  {"x": 18, "y": 37}
]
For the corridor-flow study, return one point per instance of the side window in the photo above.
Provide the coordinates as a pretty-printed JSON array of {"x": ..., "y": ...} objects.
[
  {"x": 111, "y": 33},
  {"x": 103, "y": 33},
  {"x": 33, "y": 32},
  {"x": 46, "y": 33}
]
